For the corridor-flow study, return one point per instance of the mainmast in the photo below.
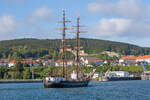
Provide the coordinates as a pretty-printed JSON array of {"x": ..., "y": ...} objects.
[
  {"x": 64, "y": 40},
  {"x": 78, "y": 43}
]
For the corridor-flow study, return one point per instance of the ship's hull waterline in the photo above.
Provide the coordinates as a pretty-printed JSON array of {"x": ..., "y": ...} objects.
[{"x": 66, "y": 84}]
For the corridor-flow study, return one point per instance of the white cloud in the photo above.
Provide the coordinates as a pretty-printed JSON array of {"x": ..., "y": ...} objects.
[
  {"x": 41, "y": 14},
  {"x": 8, "y": 24},
  {"x": 37, "y": 22},
  {"x": 123, "y": 8},
  {"x": 129, "y": 8},
  {"x": 128, "y": 19},
  {"x": 110, "y": 27},
  {"x": 121, "y": 28},
  {"x": 101, "y": 7}
]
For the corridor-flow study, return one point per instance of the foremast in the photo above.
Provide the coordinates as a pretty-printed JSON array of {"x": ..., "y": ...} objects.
[{"x": 64, "y": 28}]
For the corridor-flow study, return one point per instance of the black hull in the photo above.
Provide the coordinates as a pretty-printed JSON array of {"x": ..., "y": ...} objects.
[{"x": 66, "y": 84}]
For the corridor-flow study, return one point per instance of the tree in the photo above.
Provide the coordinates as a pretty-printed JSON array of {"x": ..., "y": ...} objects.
[
  {"x": 26, "y": 65},
  {"x": 27, "y": 74},
  {"x": 40, "y": 64},
  {"x": 54, "y": 55},
  {"x": 6, "y": 76},
  {"x": 19, "y": 67},
  {"x": 17, "y": 75}
]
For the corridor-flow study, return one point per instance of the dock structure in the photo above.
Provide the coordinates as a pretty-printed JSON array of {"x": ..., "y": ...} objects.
[
  {"x": 120, "y": 76},
  {"x": 146, "y": 74}
]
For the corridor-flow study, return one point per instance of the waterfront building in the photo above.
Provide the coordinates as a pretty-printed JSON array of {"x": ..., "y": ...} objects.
[
  {"x": 145, "y": 75},
  {"x": 118, "y": 74}
]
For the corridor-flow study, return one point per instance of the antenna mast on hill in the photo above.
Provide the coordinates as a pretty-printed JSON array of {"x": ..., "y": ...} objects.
[
  {"x": 77, "y": 48},
  {"x": 64, "y": 21}
]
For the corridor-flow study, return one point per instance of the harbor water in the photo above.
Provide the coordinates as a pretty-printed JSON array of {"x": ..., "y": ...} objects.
[{"x": 117, "y": 90}]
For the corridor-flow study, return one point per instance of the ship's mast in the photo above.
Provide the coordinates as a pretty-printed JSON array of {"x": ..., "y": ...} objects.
[
  {"x": 64, "y": 40},
  {"x": 78, "y": 43}
]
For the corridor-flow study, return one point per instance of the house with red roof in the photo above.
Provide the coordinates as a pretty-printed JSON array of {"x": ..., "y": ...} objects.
[
  {"x": 127, "y": 60},
  {"x": 68, "y": 62},
  {"x": 3, "y": 62},
  {"x": 12, "y": 63},
  {"x": 35, "y": 63},
  {"x": 133, "y": 60},
  {"x": 49, "y": 62},
  {"x": 145, "y": 58},
  {"x": 87, "y": 61}
]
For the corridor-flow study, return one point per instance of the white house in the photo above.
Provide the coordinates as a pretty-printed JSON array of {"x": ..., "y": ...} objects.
[{"x": 12, "y": 63}]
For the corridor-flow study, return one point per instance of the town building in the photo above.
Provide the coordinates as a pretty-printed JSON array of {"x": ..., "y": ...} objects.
[
  {"x": 87, "y": 61},
  {"x": 68, "y": 62},
  {"x": 4, "y": 62},
  {"x": 96, "y": 75},
  {"x": 143, "y": 59},
  {"x": 49, "y": 62},
  {"x": 133, "y": 60},
  {"x": 118, "y": 74},
  {"x": 127, "y": 60},
  {"x": 12, "y": 63}
]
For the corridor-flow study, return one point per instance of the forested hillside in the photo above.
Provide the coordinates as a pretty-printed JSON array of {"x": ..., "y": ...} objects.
[{"x": 35, "y": 48}]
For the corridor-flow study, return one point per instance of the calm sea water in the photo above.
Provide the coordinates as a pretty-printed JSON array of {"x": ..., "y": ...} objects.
[{"x": 121, "y": 90}]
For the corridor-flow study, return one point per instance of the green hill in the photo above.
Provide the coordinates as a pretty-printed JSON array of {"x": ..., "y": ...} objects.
[{"x": 27, "y": 48}]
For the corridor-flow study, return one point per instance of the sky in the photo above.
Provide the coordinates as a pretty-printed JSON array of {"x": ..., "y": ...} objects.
[{"x": 115, "y": 20}]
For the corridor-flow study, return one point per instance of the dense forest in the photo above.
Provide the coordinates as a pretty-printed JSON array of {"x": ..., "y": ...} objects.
[{"x": 45, "y": 48}]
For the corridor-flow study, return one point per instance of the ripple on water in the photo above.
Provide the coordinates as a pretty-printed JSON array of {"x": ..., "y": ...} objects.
[{"x": 120, "y": 90}]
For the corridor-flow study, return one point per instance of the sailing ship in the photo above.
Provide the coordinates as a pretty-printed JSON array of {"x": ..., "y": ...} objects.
[{"x": 77, "y": 79}]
